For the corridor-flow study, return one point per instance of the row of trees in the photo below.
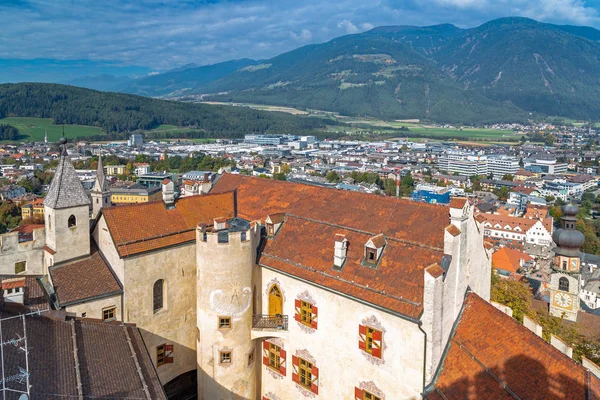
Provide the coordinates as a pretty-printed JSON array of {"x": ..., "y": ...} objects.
[{"x": 386, "y": 185}]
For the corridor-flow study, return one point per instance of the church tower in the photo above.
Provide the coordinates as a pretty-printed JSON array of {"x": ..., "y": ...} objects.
[
  {"x": 100, "y": 192},
  {"x": 66, "y": 214},
  {"x": 565, "y": 279}
]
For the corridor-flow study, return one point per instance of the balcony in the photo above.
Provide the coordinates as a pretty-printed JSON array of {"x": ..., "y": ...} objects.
[{"x": 269, "y": 326}]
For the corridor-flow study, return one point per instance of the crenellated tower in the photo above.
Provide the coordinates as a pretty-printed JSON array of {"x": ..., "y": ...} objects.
[
  {"x": 225, "y": 256},
  {"x": 565, "y": 280}
]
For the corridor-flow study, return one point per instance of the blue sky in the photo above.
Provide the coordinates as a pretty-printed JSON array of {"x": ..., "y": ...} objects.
[{"x": 56, "y": 40}]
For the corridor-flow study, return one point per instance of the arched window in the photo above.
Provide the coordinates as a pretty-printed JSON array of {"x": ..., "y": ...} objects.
[
  {"x": 563, "y": 284},
  {"x": 157, "y": 292},
  {"x": 72, "y": 221},
  {"x": 275, "y": 301}
]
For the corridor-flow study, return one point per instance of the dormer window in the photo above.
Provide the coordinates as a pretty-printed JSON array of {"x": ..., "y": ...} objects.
[
  {"x": 373, "y": 250},
  {"x": 273, "y": 223}
]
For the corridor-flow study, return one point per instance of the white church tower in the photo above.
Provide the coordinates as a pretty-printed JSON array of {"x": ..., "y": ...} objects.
[
  {"x": 100, "y": 192},
  {"x": 565, "y": 280},
  {"x": 66, "y": 214},
  {"x": 225, "y": 256}
]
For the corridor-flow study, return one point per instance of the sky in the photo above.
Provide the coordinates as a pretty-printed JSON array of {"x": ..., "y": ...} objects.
[{"x": 59, "y": 40}]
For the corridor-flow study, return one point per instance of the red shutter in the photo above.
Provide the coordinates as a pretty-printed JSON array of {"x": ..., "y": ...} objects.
[
  {"x": 315, "y": 314},
  {"x": 314, "y": 387},
  {"x": 362, "y": 337},
  {"x": 266, "y": 347},
  {"x": 297, "y": 306},
  {"x": 265, "y": 398},
  {"x": 358, "y": 394},
  {"x": 168, "y": 348},
  {"x": 295, "y": 369},
  {"x": 376, "y": 350},
  {"x": 282, "y": 354}
]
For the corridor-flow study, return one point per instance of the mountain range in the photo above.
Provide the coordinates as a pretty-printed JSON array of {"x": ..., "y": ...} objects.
[{"x": 505, "y": 70}]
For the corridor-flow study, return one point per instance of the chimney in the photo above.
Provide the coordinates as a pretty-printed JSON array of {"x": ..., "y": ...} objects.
[
  {"x": 168, "y": 193},
  {"x": 14, "y": 290},
  {"x": 340, "y": 249}
]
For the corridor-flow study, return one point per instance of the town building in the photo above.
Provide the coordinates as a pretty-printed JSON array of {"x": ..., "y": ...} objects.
[
  {"x": 33, "y": 210},
  {"x": 134, "y": 194},
  {"x": 431, "y": 194},
  {"x": 465, "y": 165},
  {"x": 115, "y": 169},
  {"x": 135, "y": 140},
  {"x": 498, "y": 166},
  {"x": 545, "y": 166}
]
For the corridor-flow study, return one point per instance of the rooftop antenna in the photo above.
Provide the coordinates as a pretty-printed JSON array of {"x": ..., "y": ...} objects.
[
  {"x": 63, "y": 141},
  {"x": 17, "y": 382}
]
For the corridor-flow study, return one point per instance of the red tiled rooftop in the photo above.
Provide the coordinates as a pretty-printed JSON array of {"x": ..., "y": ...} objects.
[
  {"x": 397, "y": 218},
  {"x": 304, "y": 249},
  {"x": 136, "y": 228},
  {"x": 490, "y": 351},
  {"x": 453, "y": 230},
  {"x": 458, "y": 202}
]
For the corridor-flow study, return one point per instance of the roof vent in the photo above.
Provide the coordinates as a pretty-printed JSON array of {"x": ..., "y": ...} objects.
[
  {"x": 220, "y": 224},
  {"x": 340, "y": 251}
]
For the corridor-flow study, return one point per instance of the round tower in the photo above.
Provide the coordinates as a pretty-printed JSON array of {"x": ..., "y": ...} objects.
[{"x": 225, "y": 256}]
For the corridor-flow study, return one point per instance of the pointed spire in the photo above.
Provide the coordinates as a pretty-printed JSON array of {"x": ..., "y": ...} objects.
[
  {"x": 63, "y": 142},
  {"x": 100, "y": 185},
  {"x": 66, "y": 189}
]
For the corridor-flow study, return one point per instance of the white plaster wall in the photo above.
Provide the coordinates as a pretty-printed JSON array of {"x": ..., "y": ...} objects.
[
  {"x": 68, "y": 242},
  {"x": 222, "y": 269},
  {"x": 93, "y": 309},
  {"x": 11, "y": 252},
  {"x": 334, "y": 345},
  {"x": 538, "y": 234},
  {"x": 176, "y": 323},
  {"x": 108, "y": 249}
]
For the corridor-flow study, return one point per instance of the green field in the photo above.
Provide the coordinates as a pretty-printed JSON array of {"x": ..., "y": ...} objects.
[
  {"x": 35, "y": 128},
  {"x": 391, "y": 128}
]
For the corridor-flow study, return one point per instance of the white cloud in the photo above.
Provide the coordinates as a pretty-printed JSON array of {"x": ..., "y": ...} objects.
[
  {"x": 348, "y": 26},
  {"x": 304, "y": 36}
]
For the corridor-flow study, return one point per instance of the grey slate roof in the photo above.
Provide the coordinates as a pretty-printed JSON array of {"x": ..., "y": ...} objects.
[{"x": 66, "y": 189}]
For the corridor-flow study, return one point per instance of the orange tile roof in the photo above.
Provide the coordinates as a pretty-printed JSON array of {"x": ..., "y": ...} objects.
[
  {"x": 136, "y": 228},
  {"x": 435, "y": 270},
  {"x": 491, "y": 355},
  {"x": 378, "y": 241},
  {"x": 304, "y": 248},
  {"x": 25, "y": 229},
  {"x": 458, "y": 202},
  {"x": 416, "y": 222},
  {"x": 12, "y": 283},
  {"x": 509, "y": 259},
  {"x": 453, "y": 230}
]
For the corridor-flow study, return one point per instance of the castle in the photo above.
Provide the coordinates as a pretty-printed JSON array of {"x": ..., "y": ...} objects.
[{"x": 264, "y": 289}]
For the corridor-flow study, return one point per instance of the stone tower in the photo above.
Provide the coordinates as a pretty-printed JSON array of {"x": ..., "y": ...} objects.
[
  {"x": 66, "y": 214},
  {"x": 100, "y": 192},
  {"x": 225, "y": 256},
  {"x": 565, "y": 280}
]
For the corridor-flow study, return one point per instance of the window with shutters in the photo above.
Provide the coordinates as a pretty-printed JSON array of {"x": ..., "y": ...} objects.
[
  {"x": 164, "y": 354},
  {"x": 305, "y": 373},
  {"x": 370, "y": 340},
  {"x": 360, "y": 394},
  {"x": 274, "y": 357},
  {"x": 306, "y": 313}
]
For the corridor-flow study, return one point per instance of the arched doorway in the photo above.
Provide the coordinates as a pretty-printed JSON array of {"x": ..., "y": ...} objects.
[{"x": 275, "y": 301}]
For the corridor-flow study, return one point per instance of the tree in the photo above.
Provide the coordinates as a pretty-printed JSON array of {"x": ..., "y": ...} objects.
[
  {"x": 550, "y": 199},
  {"x": 333, "y": 177},
  {"x": 516, "y": 295},
  {"x": 10, "y": 215},
  {"x": 588, "y": 196},
  {"x": 279, "y": 177},
  {"x": 508, "y": 177},
  {"x": 521, "y": 163}
]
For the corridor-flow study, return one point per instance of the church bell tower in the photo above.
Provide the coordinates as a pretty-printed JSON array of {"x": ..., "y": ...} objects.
[
  {"x": 100, "y": 193},
  {"x": 565, "y": 279}
]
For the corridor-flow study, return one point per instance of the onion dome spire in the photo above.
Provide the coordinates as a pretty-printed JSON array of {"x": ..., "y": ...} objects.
[{"x": 568, "y": 239}]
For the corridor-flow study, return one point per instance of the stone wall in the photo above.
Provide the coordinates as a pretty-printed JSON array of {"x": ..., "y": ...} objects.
[
  {"x": 32, "y": 252},
  {"x": 93, "y": 309}
]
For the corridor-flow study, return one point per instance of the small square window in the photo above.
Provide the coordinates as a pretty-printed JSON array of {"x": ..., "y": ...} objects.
[
  {"x": 83, "y": 315},
  {"x": 109, "y": 313},
  {"x": 225, "y": 357},
  {"x": 224, "y": 322}
]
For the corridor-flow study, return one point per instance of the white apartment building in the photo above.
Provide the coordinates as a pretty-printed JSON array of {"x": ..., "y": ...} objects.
[
  {"x": 551, "y": 167},
  {"x": 502, "y": 165},
  {"x": 465, "y": 165}
]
